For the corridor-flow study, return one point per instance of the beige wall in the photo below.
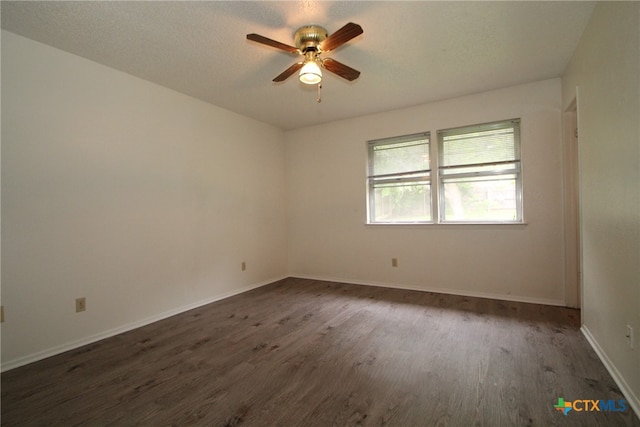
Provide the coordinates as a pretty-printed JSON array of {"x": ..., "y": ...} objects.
[
  {"x": 605, "y": 73},
  {"x": 142, "y": 200},
  {"x": 328, "y": 238}
]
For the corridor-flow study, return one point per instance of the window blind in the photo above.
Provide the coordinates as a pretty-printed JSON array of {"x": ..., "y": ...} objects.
[
  {"x": 400, "y": 155},
  {"x": 471, "y": 146}
]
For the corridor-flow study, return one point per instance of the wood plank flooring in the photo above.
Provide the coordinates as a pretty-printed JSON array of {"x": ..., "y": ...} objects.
[{"x": 312, "y": 353}]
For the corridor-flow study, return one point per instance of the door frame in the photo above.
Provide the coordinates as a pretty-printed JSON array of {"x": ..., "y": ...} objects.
[{"x": 572, "y": 226}]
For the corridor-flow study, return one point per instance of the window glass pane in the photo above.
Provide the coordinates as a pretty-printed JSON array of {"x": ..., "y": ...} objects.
[
  {"x": 480, "y": 199},
  {"x": 399, "y": 179},
  {"x": 478, "y": 147},
  {"x": 400, "y": 157},
  {"x": 402, "y": 202},
  {"x": 479, "y": 173}
]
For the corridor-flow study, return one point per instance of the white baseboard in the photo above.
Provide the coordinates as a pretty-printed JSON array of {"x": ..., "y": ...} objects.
[
  {"x": 34, "y": 357},
  {"x": 632, "y": 399},
  {"x": 503, "y": 297}
]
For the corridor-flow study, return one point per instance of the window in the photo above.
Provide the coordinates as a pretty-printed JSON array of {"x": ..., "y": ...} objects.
[
  {"x": 479, "y": 176},
  {"x": 479, "y": 173},
  {"x": 399, "y": 180}
]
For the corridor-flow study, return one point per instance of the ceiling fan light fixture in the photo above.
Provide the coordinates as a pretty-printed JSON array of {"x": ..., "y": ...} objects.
[
  {"x": 310, "y": 73},
  {"x": 311, "y": 41}
]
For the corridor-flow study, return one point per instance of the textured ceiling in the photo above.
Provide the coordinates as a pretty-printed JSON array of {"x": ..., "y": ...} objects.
[{"x": 410, "y": 53}]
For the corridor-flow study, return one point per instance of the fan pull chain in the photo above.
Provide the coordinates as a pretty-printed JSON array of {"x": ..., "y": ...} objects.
[{"x": 319, "y": 100}]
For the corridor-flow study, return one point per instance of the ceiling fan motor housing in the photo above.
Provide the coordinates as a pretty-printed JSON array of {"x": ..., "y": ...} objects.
[{"x": 309, "y": 37}]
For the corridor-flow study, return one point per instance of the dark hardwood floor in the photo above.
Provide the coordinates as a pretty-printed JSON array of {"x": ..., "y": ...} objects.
[{"x": 311, "y": 353}]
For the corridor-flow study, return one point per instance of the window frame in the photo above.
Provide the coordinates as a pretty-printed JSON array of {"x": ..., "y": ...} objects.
[
  {"x": 413, "y": 176},
  {"x": 517, "y": 170},
  {"x": 434, "y": 174}
]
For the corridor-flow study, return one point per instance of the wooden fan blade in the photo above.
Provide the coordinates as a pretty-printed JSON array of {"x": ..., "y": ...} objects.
[
  {"x": 340, "y": 69},
  {"x": 341, "y": 36},
  {"x": 264, "y": 40},
  {"x": 288, "y": 72}
]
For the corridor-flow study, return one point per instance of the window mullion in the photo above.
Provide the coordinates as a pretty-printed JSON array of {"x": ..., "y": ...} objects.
[
  {"x": 477, "y": 165},
  {"x": 417, "y": 180},
  {"x": 435, "y": 185},
  {"x": 416, "y": 173}
]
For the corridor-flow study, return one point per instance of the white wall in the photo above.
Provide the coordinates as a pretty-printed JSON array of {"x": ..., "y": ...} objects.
[
  {"x": 142, "y": 200},
  {"x": 605, "y": 69},
  {"x": 328, "y": 238}
]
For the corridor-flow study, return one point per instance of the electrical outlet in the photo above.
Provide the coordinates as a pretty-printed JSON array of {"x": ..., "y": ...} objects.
[
  {"x": 630, "y": 336},
  {"x": 81, "y": 304},
  {"x": 244, "y": 266},
  {"x": 394, "y": 262}
]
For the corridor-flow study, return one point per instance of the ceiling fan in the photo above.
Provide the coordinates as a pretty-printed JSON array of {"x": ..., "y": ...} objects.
[{"x": 311, "y": 41}]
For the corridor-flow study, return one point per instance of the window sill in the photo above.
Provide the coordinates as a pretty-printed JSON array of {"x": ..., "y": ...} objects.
[{"x": 440, "y": 224}]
